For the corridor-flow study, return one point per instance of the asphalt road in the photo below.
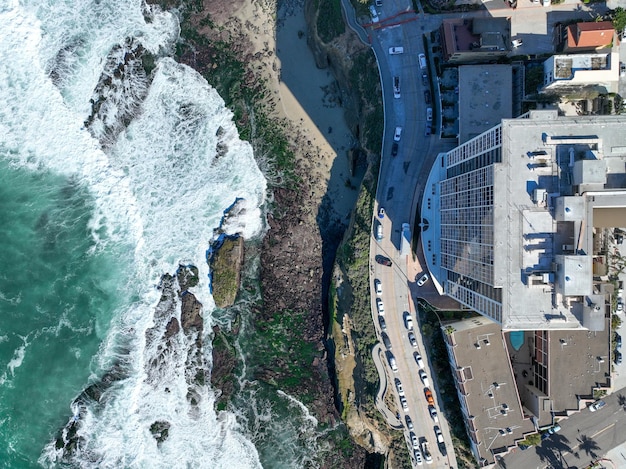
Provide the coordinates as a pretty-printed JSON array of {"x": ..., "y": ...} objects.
[
  {"x": 584, "y": 438},
  {"x": 398, "y": 179}
]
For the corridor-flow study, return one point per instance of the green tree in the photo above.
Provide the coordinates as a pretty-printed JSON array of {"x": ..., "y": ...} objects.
[{"x": 618, "y": 16}]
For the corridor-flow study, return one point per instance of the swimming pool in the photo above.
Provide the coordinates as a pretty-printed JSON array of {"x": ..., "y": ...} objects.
[{"x": 517, "y": 339}]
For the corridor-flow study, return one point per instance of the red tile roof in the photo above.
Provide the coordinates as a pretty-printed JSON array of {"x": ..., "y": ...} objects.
[{"x": 590, "y": 35}]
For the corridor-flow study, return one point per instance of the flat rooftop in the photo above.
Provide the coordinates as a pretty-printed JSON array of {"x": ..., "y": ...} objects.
[
  {"x": 485, "y": 379},
  {"x": 536, "y": 165},
  {"x": 485, "y": 98},
  {"x": 565, "y": 65}
]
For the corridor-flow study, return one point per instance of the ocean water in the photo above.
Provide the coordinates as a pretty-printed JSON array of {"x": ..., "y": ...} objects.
[{"x": 109, "y": 179}]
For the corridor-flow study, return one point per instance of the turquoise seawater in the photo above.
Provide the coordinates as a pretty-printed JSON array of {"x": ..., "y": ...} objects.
[{"x": 57, "y": 297}]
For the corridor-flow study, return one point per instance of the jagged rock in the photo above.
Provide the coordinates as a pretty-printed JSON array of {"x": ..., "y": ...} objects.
[
  {"x": 160, "y": 430},
  {"x": 190, "y": 313},
  {"x": 172, "y": 328}
]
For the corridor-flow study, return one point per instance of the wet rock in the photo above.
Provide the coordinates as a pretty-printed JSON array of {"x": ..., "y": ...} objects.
[
  {"x": 160, "y": 430},
  {"x": 190, "y": 315}
]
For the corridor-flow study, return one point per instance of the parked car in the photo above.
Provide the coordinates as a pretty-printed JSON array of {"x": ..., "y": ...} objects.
[
  {"x": 618, "y": 341},
  {"x": 374, "y": 14},
  {"x": 404, "y": 403},
  {"x": 414, "y": 441},
  {"x": 399, "y": 387},
  {"x": 440, "y": 441},
  {"x": 413, "y": 340},
  {"x": 551, "y": 431},
  {"x": 397, "y": 134},
  {"x": 597, "y": 405},
  {"x": 426, "y": 452},
  {"x": 381, "y": 212},
  {"x": 417, "y": 455},
  {"x": 429, "y": 396},
  {"x": 618, "y": 358},
  {"x": 438, "y": 434},
  {"x": 383, "y": 260},
  {"x": 418, "y": 360},
  {"x": 394, "y": 149},
  {"x": 409, "y": 422},
  {"x": 383, "y": 324},
  {"x": 424, "y": 79},
  {"x": 408, "y": 320},
  {"x": 392, "y": 362},
  {"x": 622, "y": 69},
  {"x": 433, "y": 413},
  {"x": 386, "y": 340},
  {"x": 379, "y": 3},
  {"x": 429, "y": 130},
  {"x": 427, "y": 98},
  {"x": 422, "y": 280},
  {"x": 424, "y": 378},
  {"x": 380, "y": 306},
  {"x": 396, "y": 50},
  {"x": 378, "y": 287},
  {"x": 422, "y": 61},
  {"x": 429, "y": 114}
]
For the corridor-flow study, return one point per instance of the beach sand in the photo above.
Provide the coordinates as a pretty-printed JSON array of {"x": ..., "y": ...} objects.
[{"x": 308, "y": 97}]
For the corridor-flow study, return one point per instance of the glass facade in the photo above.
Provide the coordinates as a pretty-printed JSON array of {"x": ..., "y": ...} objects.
[{"x": 467, "y": 223}]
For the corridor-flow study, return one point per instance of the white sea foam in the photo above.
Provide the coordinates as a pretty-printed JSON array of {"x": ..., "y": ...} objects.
[
  {"x": 15, "y": 362},
  {"x": 160, "y": 189}
]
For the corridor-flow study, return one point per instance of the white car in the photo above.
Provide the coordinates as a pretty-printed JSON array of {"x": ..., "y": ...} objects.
[
  {"x": 422, "y": 280},
  {"x": 396, "y": 50},
  {"x": 597, "y": 405},
  {"x": 378, "y": 287},
  {"x": 427, "y": 456},
  {"x": 429, "y": 114},
  {"x": 414, "y": 441},
  {"x": 433, "y": 413},
  {"x": 380, "y": 306},
  {"x": 374, "y": 14},
  {"x": 408, "y": 321},
  {"x": 399, "y": 387},
  {"x": 424, "y": 378},
  {"x": 404, "y": 403},
  {"x": 516, "y": 43},
  {"x": 422, "y": 61},
  {"x": 397, "y": 134},
  {"x": 438, "y": 434},
  {"x": 418, "y": 360},
  {"x": 418, "y": 457}
]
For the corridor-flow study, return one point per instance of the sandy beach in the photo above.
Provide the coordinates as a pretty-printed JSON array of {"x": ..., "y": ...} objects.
[{"x": 307, "y": 96}]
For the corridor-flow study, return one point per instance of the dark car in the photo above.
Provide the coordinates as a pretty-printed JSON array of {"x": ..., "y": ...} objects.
[
  {"x": 427, "y": 97},
  {"x": 394, "y": 149},
  {"x": 429, "y": 130},
  {"x": 618, "y": 358},
  {"x": 424, "y": 79},
  {"x": 383, "y": 260},
  {"x": 383, "y": 324},
  {"x": 386, "y": 341}
]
